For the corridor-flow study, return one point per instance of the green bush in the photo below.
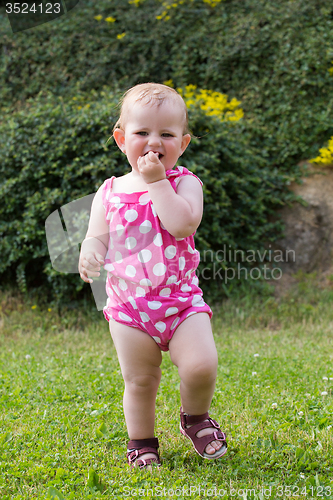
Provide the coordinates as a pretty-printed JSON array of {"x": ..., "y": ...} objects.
[
  {"x": 273, "y": 56},
  {"x": 54, "y": 151}
]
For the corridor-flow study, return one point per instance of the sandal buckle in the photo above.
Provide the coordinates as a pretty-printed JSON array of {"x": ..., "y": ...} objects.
[{"x": 214, "y": 423}]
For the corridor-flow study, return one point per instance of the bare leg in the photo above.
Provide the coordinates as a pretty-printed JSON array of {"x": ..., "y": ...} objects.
[
  {"x": 140, "y": 360},
  {"x": 193, "y": 351}
]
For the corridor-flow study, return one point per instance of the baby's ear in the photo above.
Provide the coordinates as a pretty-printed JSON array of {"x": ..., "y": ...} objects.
[
  {"x": 185, "y": 142},
  {"x": 119, "y": 137}
]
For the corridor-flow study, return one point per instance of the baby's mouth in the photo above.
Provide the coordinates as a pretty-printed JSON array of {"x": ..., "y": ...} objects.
[{"x": 156, "y": 152}]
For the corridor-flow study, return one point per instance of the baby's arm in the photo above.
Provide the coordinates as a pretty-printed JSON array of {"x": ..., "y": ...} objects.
[
  {"x": 95, "y": 244},
  {"x": 180, "y": 212}
]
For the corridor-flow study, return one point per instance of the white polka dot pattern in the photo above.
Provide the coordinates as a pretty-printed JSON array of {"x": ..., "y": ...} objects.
[
  {"x": 161, "y": 326},
  {"x": 153, "y": 210},
  {"x": 118, "y": 257},
  {"x": 124, "y": 317},
  {"x": 145, "y": 255},
  {"x": 158, "y": 240},
  {"x": 131, "y": 215},
  {"x": 170, "y": 251},
  {"x": 144, "y": 199},
  {"x": 159, "y": 269},
  {"x": 145, "y": 227},
  {"x": 154, "y": 304},
  {"x": 170, "y": 311},
  {"x": 130, "y": 243},
  {"x": 144, "y": 316},
  {"x": 145, "y": 282},
  {"x": 182, "y": 263},
  {"x": 171, "y": 279},
  {"x": 130, "y": 271},
  {"x": 175, "y": 323},
  {"x": 198, "y": 301},
  {"x": 122, "y": 284},
  {"x": 132, "y": 302},
  {"x": 151, "y": 283},
  {"x": 120, "y": 229}
]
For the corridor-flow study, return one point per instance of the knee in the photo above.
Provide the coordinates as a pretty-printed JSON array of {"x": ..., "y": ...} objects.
[
  {"x": 143, "y": 382},
  {"x": 200, "y": 373}
]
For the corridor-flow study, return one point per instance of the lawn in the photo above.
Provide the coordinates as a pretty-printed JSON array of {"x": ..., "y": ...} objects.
[{"x": 62, "y": 429}]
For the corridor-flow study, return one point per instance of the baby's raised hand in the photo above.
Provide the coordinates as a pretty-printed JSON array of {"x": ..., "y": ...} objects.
[
  {"x": 90, "y": 265},
  {"x": 151, "y": 168}
]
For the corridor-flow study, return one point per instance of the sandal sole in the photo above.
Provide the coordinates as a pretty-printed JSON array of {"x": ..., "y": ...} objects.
[{"x": 206, "y": 456}]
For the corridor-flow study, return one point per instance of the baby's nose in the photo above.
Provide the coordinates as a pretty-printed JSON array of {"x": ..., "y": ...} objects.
[{"x": 154, "y": 140}]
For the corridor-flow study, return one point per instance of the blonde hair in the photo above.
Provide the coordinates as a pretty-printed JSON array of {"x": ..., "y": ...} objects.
[{"x": 150, "y": 93}]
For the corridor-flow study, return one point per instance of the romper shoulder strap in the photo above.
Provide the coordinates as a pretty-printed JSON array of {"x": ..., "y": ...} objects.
[{"x": 175, "y": 174}]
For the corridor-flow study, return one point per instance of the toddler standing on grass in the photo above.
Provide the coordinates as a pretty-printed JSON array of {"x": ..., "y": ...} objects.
[{"x": 141, "y": 230}]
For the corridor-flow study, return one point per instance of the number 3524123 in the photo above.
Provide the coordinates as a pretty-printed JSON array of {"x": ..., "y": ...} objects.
[{"x": 35, "y": 8}]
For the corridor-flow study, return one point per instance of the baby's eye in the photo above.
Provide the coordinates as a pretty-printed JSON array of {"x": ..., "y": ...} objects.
[
  {"x": 167, "y": 135},
  {"x": 142, "y": 133}
]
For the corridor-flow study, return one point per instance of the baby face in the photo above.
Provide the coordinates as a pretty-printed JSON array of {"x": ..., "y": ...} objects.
[{"x": 149, "y": 127}]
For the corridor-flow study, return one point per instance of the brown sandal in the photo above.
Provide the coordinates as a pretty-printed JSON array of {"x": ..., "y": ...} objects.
[
  {"x": 198, "y": 422},
  {"x": 138, "y": 447}
]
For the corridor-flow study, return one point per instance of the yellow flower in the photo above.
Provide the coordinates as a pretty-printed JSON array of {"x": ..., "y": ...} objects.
[
  {"x": 33, "y": 307},
  {"x": 168, "y": 83},
  {"x": 331, "y": 70},
  {"x": 212, "y": 103},
  {"x": 98, "y": 18},
  {"x": 121, "y": 35},
  {"x": 110, "y": 19},
  {"x": 212, "y": 3},
  {"x": 49, "y": 309},
  {"x": 326, "y": 155}
]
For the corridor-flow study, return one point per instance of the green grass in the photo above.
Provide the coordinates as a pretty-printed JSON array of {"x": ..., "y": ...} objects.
[{"x": 62, "y": 426}]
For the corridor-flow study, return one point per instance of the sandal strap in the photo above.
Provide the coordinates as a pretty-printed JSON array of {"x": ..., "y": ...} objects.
[
  {"x": 142, "y": 463},
  {"x": 141, "y": 443},
  {"x": 198, "y": 422},
  {"x": 192, "y": 431},
  {"x": 192, "y": 419},
  {"x": 138, "y": 447},
  {"x": 201, "y": 443},
  {"x": 133, "y": 455}
]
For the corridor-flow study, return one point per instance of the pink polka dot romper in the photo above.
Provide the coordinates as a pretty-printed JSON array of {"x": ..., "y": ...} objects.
[{"x": 151, "y": 281}]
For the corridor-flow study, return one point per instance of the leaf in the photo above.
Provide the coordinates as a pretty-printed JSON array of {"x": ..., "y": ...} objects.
[
  {"x": 299, "y": 453},
  {"x": 4, "y": 438},
  {"x": 55, "y": 494},
  {"x": 94, "y": 481},
  {"x": 322, "y": 422},
  {"x": 102, "y": 431}
]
